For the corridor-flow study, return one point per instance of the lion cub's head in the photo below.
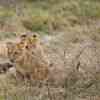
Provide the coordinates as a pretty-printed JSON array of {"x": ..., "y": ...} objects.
[{"x": 15, "y": 48}]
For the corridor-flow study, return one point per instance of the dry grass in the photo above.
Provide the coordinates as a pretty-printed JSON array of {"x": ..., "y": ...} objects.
[
  {"x": 76, "y": 26},
  {"x": 17, "y": 90},
  {"x": 50, "y": 15}
]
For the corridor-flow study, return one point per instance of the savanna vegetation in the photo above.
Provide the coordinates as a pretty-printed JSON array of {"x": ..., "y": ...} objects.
[{"x": 70, "y": 32}]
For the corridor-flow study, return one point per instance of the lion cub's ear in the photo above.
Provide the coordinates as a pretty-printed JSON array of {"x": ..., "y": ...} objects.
[{"x": 23, "y": 35}]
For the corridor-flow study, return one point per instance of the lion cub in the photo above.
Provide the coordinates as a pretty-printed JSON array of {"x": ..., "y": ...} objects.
[{"x": 29, "y": 58}]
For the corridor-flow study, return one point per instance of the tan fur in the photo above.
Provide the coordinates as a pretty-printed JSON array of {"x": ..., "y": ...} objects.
[{"x": 30, "y": 58}]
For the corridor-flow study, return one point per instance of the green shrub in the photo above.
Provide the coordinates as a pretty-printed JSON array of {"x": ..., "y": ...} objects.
[
  {"x": 2, "y": 98},
  {"x": 38, "y": 20},
  {"x": 5, "y": 15}
]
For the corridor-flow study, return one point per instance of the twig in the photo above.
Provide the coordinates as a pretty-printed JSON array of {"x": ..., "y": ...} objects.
[{"x": 49, "y": 94}]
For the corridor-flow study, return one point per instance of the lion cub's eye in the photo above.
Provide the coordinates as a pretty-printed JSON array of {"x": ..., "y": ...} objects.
[
  {"x": 34, "y": 35},
  {"x": 24, "y": 35}
]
